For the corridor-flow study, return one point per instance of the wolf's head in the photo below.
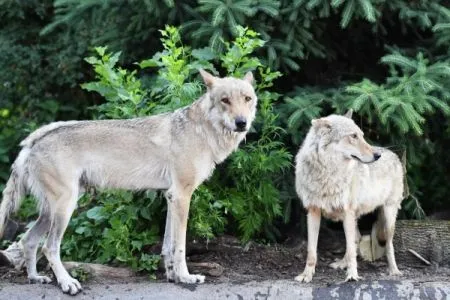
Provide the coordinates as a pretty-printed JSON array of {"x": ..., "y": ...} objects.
[
  {"x": 340, "y": 134},
  {"x": 233, "y": 101}
]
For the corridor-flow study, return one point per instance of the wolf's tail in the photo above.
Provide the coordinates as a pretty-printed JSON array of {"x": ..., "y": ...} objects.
[
  {"x": 14, "y": 191},
  {"x": 16, "y": 188},
  {"x": 374, "y": 247}
]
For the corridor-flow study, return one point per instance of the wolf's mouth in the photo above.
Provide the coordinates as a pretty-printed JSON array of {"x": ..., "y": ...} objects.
[
  {"x": 240, "y": 130},
  {"x": 359, "y": 159}
]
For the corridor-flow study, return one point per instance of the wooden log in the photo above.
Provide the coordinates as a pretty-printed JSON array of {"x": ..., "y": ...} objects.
[
  {"x": 416, "y": 242},
  {"x": 428, "y": 238},
  {"x": 14, "y": 257},
  {"x": 98, "y": 270},
  {"x": 208, "y": 268}
]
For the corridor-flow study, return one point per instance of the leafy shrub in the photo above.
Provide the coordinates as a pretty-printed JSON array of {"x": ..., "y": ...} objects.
[{"x": 114, "y": 226}]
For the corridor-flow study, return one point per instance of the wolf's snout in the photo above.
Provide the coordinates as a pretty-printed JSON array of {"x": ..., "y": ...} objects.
[
  {"x": 241, "y": 124},
  {"x": 376, "y": 156}
]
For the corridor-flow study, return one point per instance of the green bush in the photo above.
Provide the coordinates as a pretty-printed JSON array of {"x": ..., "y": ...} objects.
[{"x": 114, "y": 226}]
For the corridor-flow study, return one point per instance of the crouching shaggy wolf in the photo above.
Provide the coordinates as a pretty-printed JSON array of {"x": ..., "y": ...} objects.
[
  {"x": 174, "y": 151},
  {"x": 339, "y": 175}
]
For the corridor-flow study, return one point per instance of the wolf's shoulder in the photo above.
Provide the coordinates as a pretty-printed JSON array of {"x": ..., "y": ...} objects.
[{"x": 387, "y": 153}]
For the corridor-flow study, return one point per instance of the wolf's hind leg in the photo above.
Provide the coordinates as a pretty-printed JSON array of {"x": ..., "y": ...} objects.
[
  {"x": 390, "y": 215},
  {"x": 30, "y": 242},
  {"x": 343, "y": 263},
  {"x": 62, "y": 210}
]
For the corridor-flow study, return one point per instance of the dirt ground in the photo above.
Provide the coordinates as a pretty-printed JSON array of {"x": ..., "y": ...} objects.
[
  {"x": 272, "y": 262},
  {"x": 257, "y": 262}
]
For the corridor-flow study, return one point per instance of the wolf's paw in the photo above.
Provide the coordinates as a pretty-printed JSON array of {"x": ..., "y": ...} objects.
[
  {"x": 395, "y": 272},
  {"x": 191, "y": 278},
  {"x": 170, "y": 274},
  {"x": 352, "y": 276},
  {"x": 339, "y": 264},
  {"x": 70, "y": 285},
  {"x": 306, "y": 276},
  {"x": 39, "y": 279}
]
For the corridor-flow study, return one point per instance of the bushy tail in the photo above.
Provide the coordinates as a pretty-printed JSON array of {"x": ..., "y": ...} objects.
[
  {"x": 372, "y": 247},
  {"x": 15, "y": 187},
  {"x": 12, "y": 196}
]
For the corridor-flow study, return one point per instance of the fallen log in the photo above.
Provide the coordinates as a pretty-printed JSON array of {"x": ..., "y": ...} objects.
[
  {"x": 429, "y": 238},
  {"x": 101, "y": 271},
  {"x": 417, "y": 243},
  {"x": 14, "y": 257},
  {"x": 207, "y": 268}
]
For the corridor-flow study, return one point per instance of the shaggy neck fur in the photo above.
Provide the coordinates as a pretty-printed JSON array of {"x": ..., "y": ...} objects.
[
  {"x": 211, "y": 130},
  {"x": 320, "y": 176}
]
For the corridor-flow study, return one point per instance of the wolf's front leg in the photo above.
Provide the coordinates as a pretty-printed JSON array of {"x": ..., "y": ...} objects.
[
  {"x": 167, "y": 248},
  {"x": 175, "y": 241},
  {"x": 350, "y": 236},
  {"x": 314, "y": 216}
]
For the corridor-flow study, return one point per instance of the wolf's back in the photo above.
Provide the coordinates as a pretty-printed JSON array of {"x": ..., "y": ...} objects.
[{"x": 43, "y": 131}]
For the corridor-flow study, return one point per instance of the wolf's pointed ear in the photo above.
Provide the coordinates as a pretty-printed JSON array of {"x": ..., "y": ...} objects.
[
  {"x": 322, "y": 122},
  {"x": 249, "y": 77},
  {"x": 349, "y": 113},
  {"x": 208, "y": 79}
]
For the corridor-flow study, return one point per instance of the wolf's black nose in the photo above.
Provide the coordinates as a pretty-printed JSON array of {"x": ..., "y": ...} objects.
[
  {"x": 376, "y": 156},
  {"x": 241, "y": 123}
]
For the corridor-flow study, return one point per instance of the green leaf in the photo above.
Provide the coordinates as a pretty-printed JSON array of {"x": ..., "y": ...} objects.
[
  {"x": 441, "y": 27},
  {"x": 101, "y": 50},
  {"x": 337, "y": 3},
  {"x": 148, "y": 63},
  {"x": 399, "y": 60},
  {"x": 137, "y": 244},
  {"x": 95, "y": 213},
  {"x": 218, "y": 15},
  {"x": 369, "y": 12},
  {"x": 348, "y": 12},
  {"x": 205, "y": 53}
]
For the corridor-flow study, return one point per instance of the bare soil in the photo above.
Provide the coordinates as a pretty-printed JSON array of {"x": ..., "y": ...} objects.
[{"x": 276, "y": 261}]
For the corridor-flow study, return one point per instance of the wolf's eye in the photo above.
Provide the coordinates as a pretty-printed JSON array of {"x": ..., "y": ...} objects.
[
  {"x": 248, "y": 98},
  {"x": 225, "y": 100}
]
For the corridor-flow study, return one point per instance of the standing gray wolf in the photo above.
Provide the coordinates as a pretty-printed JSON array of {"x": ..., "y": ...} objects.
[
  {"x": 174, "y": 151},
  {"x": 339, "y": 175}
]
